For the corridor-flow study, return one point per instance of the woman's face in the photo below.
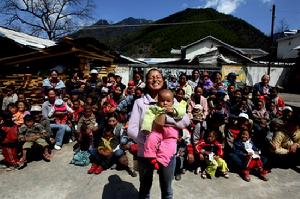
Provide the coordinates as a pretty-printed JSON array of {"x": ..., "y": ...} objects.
[
  {"x": 154, "y": 80},
  {"x": 195, "y": 75},
  {"x": 218, "y": 78},
  {"x": 265, "y": 80},
  {"x": 182, "y": 79},
  {"x": 13, "y": 109},
  {"x": 199, "y": 91},
  {"x": 54, "y": 75},
  {"x": 137, "y": 77},
  {"x": 51, "y": 95},
  {"x": 89, "y": 100},
  {"x": 21, "y": 107},
  {"x": 21, "y": 98},
  {"x": 112, "y": 122},
  {"x": 118, "y": 91}
]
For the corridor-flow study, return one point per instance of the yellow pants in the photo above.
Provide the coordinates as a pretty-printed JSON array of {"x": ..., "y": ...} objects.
[{"x": 213, "y": 165}]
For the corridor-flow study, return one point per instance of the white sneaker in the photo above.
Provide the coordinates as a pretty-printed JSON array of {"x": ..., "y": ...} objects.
[
  {"x": 70, "y": 140},
  {"x": 56, "y": 147},
  {"x": 198, "y": 170}
]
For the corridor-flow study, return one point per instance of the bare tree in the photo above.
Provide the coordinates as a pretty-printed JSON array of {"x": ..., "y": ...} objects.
[
  {"x": 282, "y": 26},
  {"x": 53, "y": 18}
]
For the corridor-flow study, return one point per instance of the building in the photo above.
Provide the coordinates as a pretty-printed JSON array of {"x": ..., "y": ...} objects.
[{"x": 288, "y": 47}]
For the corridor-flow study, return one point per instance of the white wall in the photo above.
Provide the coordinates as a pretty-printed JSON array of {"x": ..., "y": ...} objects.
[
  {"x": 200, "y": 48},
  {"x": 285, "y": 47},
  {"x": 279, "y": 75}
]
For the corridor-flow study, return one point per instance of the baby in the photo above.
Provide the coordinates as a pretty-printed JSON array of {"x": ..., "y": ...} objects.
[
  {"x": 60, "y": 110},
  {"x": 160, "y": 144}
]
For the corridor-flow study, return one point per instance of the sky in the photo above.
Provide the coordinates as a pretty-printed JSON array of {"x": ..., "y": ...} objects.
[{"x": 256, "y": 12}]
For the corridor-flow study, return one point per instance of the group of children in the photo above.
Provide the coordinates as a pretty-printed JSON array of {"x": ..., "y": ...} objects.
[{"x": 229, "y": 128}]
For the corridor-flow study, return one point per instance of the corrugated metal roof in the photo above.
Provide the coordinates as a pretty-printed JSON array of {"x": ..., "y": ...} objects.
[
  {"x": 297, "y": 48},
  {"x": 158, "y": 60},
  {"x": 25, "y": 39},
  {"x": 252, "y": 51}
]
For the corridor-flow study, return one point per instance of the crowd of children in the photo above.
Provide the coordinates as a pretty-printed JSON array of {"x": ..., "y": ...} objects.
[{"x": 231, "y": 128}]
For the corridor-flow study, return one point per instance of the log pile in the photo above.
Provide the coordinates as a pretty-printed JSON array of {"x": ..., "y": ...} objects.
[{"x": 30, "y": 84}]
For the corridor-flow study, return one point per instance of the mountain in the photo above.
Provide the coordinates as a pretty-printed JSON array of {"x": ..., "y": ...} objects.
[
  {"x": 190, "y": 25},
  {"x": 111, "y": 34}
]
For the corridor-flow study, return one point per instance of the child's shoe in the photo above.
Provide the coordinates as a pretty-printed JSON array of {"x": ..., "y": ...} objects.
[
  {"x": 155, "y": 164},
  {"x": 225, "y": 175},
  {"x": 203, "y": 175},
  {"x": 131, "y": 172},
  {"x": 92, "y": 169},
  {"x": 263, "y": 175},
  {"x": 197, "y": 170},
  {"x": 98, "y": 170},
  {"x": 246, "y": 176},
  {"x": 47, "y": 157}
]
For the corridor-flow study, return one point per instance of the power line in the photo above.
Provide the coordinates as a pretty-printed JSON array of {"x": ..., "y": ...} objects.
[{"x": 152, "y": 24}]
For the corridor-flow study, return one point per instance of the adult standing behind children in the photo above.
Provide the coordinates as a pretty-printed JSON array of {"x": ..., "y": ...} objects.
[
  {"x": 53, "y": 82},
  {"x": 154, "y": 83}
]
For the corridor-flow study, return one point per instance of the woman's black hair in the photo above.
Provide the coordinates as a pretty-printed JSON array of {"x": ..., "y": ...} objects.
[
  {"x": 53, "y": 70},
  {"x": 113, "y": 114},
  {"x": 180, "y": 89},
  {"x": 51, "y": 89},
  {"x": 198, "y": 86},
  {"x": 183, "y": 74},
  {"x": 195, "y": 70}
]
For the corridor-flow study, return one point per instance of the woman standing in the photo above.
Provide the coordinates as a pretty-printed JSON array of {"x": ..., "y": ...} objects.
[
  {"x": 53, "y": 82},
  {"x": 154, "y": 83}
]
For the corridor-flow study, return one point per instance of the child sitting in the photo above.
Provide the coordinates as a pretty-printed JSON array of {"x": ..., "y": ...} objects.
[
  {"x": 89, "y": 120},
  {"x": 33, "y": 133},
  {"x": 120, "y": 132},
  {"x": 85, "y": 134},
  {"x": 105, "y": 157},
  {"x": 211, "y": 152},
  {"x": 9, "y": 140},
  {"x": 160, "y": 144},
  {"x": 85, "y": 142},
  {"x": 249, "y": 155},
  {"x": 19, "y": 116},
  {"x": 260, "y": 113}
]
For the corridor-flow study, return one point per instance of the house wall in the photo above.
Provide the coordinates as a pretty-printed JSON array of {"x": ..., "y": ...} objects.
[
  {"x": 285, "y": 47},
  {"x": 200, "y": 48},
  {"x": 279, "y": 75}
]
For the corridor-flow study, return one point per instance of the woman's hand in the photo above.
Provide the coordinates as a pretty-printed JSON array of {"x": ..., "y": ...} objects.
[{"x": 160, "y": 120}]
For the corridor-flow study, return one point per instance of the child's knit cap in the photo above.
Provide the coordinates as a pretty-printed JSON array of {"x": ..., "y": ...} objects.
[{"x": 58, "y": 102}]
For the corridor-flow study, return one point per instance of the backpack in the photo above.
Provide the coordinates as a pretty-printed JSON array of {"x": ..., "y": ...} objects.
[{"x": 81, "y": 158}]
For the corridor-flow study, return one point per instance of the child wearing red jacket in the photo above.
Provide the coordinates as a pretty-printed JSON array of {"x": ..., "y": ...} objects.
[{"x": 211, "y": 152}]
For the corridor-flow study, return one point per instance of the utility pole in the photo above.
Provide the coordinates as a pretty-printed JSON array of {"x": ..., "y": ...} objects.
[{"x": 272, "y": 53}]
